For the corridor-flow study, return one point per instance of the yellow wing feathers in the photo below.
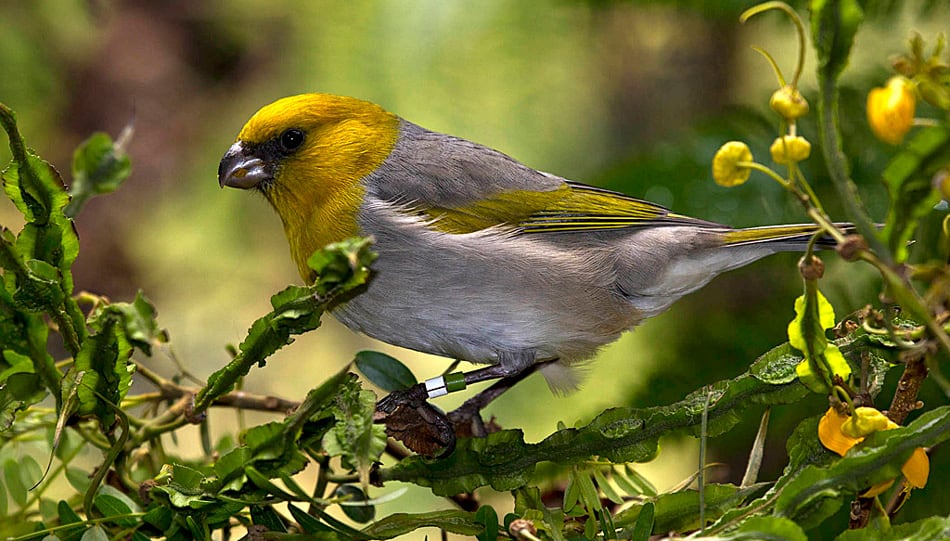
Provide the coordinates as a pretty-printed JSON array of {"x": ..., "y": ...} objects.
[{"x": 571, "y": 207}]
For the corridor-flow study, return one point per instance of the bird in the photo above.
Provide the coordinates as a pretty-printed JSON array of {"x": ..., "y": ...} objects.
[{"x": 480, "y": 257}]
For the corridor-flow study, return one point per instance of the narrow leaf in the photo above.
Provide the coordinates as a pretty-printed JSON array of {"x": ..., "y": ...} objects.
[
  {"x": 834, "y": 24},
  {"x": 644, "y": 525},
  {"x": 308, "y": 523},
  {"x": 459, "y": 522}
]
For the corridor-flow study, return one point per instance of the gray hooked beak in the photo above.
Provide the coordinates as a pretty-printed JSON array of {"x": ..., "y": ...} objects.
[{"x": 241, "y": 169}]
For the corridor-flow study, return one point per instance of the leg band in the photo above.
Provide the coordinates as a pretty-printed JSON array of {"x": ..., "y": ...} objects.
[{"x": 443, "y": 385}]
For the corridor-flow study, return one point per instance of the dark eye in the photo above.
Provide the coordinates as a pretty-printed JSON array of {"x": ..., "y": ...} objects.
[{"x": 291, "y": 139}]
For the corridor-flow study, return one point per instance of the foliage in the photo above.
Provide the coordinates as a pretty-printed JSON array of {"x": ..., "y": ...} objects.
[{"x": 71, "y": 398}]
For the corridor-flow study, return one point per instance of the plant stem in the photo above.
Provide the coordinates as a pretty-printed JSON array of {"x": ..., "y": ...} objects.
[{"x": 837, "y": 168}]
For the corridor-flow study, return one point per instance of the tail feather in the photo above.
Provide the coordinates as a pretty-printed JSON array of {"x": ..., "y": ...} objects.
[{"x": 791, "y": 237}]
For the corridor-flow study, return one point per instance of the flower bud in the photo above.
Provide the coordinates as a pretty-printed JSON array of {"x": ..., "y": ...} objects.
[
  {"x": 811, "y": 268},
  {"x": 789, "y": 102},
  {"x": 851, "y": 247},
  {"x": 891, "y": 109},
  {"x": 789, "y": 149},
  {"x": 727, "y": 166}
]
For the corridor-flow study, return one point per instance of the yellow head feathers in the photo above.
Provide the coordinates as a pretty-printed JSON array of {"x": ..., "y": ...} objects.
[{"x": 307, "y": 154}]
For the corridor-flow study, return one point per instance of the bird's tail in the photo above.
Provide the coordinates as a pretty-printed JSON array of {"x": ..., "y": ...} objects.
[{"x": 783, "y": 237}]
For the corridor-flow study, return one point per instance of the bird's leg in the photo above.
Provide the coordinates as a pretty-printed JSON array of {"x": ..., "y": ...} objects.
[
  {"x": 467, "y": 418},
  {"x": 411, "y": 419}
]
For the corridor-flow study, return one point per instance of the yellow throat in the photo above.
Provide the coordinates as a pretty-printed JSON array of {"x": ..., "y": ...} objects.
[{"x": 317, "y": 190}]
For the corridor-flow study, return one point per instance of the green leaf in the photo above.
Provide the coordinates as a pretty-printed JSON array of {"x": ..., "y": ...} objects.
[
  {"x": 264, "y": 515},
  {"x": 606, "y": 488},
  {"x": 231, "y": 465},
  {"x": 96, "y": 533},
  {"x": 137, "y": 322},
  {"x": 30, "y": 471},
  {"x": 765, "y": 527},
  {"x": 18, "y": 391},
  {"x": 834, "y": 24},
  {"x": 678, "y": 511},
  {"x": 589, "y": 497},
  {"x": 66, "y": 516},
  {"x": 572, "y": 492},
  {"x": 23, "y": 335},
  {"x": 487, "y": 517},
  {"x": 909, "y": 182},
  {"x": 159, "y": 516},
  {"x": 270, "y": 449},
  {"x": 265, "y": 484},
  {"x": 384, "y": 371},
  {"x": 78, "y": 478},
  {"x": 335, "y": 274},
  {"x": 66, "y": 513},
  {"x": 99, "y": 167},
  {"x": 319, "y": 402},
  {"x": 17, "y": 325},
  {"x": 110, "y": 506},
  {"x": 357, "y": 513},
  {"x": 458, "y": 522},
  {"x": 355, "y": 438},
  {"x": 16, "y": 489},
  {"x": 642, "y": 484},
  {"x": 643, "y": 528},
  {"x": 308, "y": 523},
  {"x": 107, "y": 372}
]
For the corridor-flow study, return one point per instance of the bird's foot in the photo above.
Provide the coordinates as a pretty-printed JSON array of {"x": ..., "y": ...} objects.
[{"x": 409, "y": 418}]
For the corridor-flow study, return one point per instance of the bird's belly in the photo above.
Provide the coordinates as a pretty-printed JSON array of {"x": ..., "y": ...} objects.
[{"x": 481, "y": 304}]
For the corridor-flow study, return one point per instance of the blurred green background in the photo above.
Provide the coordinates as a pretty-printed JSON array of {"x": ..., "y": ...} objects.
[{"x": 634, "y": 96}]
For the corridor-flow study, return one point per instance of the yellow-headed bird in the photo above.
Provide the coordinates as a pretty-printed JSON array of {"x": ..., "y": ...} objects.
[{"x": 481, "y": 258}]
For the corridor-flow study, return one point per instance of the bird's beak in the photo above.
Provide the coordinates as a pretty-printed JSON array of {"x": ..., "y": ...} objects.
[{"x": 240, "y": 168}]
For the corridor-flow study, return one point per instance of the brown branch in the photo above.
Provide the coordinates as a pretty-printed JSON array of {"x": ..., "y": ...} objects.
[
  {"x": 235, "y": 399},
  {"x": 905, "y": 397}
]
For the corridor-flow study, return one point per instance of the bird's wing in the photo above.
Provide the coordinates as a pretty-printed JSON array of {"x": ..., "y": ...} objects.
[
  {"x": 571, "y": 207},
  {"x": 463, "y": 187}
]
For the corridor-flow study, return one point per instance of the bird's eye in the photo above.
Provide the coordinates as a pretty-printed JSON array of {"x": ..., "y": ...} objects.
[{"x": 291, "y": 139}]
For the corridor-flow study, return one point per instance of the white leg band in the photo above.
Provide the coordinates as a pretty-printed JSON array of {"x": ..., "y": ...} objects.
[{"x": 436, "y": 387}]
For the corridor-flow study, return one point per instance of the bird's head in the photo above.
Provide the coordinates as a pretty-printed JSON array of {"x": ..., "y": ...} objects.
[{"x": 307, "y": 154}]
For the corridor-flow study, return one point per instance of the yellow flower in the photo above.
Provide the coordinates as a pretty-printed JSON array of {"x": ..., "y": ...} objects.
[
  {"x": 789, "y": 102},
  {"x": 728, "y": 167},
  {"x": 839, "y": 433},
  {"x": 830, "y": 435},
  {"x": 891, "y": 109},
  {"x": 790, "y": 149}
]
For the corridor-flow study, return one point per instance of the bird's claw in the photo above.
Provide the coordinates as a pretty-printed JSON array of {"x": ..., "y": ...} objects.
[{"x": 409, "y": 418}]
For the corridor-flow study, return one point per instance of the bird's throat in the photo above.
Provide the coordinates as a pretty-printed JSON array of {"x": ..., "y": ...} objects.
[{"x": 310, "y": 227}]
